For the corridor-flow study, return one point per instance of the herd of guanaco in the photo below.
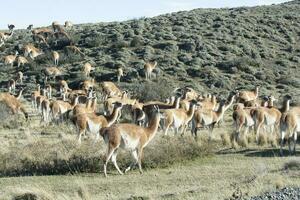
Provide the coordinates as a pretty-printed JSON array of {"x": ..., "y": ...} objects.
[{"x": 183, "y": 109}]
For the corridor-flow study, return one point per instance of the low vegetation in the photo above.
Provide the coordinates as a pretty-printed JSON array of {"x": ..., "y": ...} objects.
[{"x": 42, "y": 157}]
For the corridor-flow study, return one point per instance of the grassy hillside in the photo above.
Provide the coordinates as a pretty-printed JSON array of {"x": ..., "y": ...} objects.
[{"x": 210, "y": 49}]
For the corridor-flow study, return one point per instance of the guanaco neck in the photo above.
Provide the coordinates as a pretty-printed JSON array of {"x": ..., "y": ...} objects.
[
  {"x": 285, "y": 106},
  {"x": 113, "y": 117},
  {"x": 214, "y": 99},
  {"x": 19, "y": 95},
  {"x": 264, "y": 103},
  {"x": 94, "y": 104},
  {"x": 176, "y": 103},
  {"x": 151, "y": 130},
  {"x": 191, "y": 111},
  {"x": 171, "y": 101},
  {"x": 270, "y": 103},
  {"x": 221, "y": 110},
  {"x": 230, "y": 103},
  {"x": 75, "y": 102},
  {"x": 88, "y": 103}
]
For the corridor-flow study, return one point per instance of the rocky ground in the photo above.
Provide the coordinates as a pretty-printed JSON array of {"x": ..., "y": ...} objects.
[{"x": 283, "y": 194}]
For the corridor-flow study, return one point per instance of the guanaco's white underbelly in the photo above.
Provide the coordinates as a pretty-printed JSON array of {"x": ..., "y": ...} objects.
[
  {"x": 62, "y": 109},
  {"x": 93, "y": 127},
  {"x": 177, "y": 121},
  {"x": 206, "y": 120},
  {"x": 128, "y": 142},
  {"x": 250, "y": 121},
  {"x": 270, "y": 120},
  {"x": 298, "y": 124}
]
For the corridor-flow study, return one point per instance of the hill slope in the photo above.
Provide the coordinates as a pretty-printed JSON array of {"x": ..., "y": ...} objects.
[{"x": 210, "y": 49}]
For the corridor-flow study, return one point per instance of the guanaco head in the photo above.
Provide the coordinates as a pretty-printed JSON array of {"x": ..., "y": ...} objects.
[
  {"x": 117, "y": 105},
  {"x": 287, "y": 97},
  {"x": 194, "y": 103},
  {"x": 29, "y": 27},
  {"x": 11, "y": 27}
]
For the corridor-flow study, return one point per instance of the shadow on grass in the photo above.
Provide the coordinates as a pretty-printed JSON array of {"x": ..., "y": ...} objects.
[{"x": 255, "y": 152}]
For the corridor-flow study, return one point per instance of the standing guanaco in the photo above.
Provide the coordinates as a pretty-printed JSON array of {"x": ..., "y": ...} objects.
[
  {"x": 148, "y": 68},
  {"x": 129, "y": 136},
  {"x": 55, "y": 56}
]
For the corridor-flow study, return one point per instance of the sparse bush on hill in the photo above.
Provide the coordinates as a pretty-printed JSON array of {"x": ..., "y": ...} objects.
[{"x": 246, "y": 44}]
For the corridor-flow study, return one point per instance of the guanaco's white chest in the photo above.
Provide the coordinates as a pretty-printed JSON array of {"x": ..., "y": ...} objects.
[
  {"x": 249, "y": 120},
  {"x": 177, "y": 121},
  {"x": 128, "y": 142},
  {"x": 93, "y": 127},
  {"x": 62, "y": 109}
]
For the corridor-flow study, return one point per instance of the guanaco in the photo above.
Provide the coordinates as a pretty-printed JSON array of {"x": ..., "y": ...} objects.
[
  {"x": 148, "y": 68},
  {"x": 93, "y": 123},
  {"x": 55, "y": 56},
  {"x": 87, "y": 68},
  {"x": 131, "y": 137}
]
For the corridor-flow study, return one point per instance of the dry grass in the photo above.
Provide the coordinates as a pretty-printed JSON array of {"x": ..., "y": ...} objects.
[
  {"x": 62, "y": 155},
  {"x": 215, "y": 177},
  {"x": 292, "y": 165}
]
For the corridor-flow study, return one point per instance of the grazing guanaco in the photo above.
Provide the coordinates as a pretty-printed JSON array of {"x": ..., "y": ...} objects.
[
  {"x": 148, "y": 68},
  {"x": 190, "y": 93},
  {"x": 89, "y": 107},
  {"x": 11, "y": 84},
  {"x": 108, "y": 103},
  {"x": 179, "y": 118},
  {"x": 35, "y": 53},
  {"x": 21, "y": 61},
  {"x": 93, "y": 123},
  {"x": 110, "y": 89},
  {"x": 57, "y": 27},
  {"x": 40, "y": 39},
  {"x": 45, "y": 32},
  {"x": 268, "y": 116},
  {"x": 52, "y": 71},
  {"x": 10, "y": 59},
  {"x": 88, "y": 84},
  {"x": 5, "y": 36},
  {"x": 207, "y": 118},
  {"x": 59, "y": 108},
  {"x": 28, "y": 48},
  {"x": 13, "y": 102},
  {"x": 87, "y": 68},
  {"x": 74, "y": 50},
  {"x": 55, "y": 56},
  {"x": 120, "y": 73},
  {"x": 131, "y": 137},
  {"x": 61, "y": 34},
  {"x": 63, "y": 86},
  {"x": 244, "y": 96}
]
